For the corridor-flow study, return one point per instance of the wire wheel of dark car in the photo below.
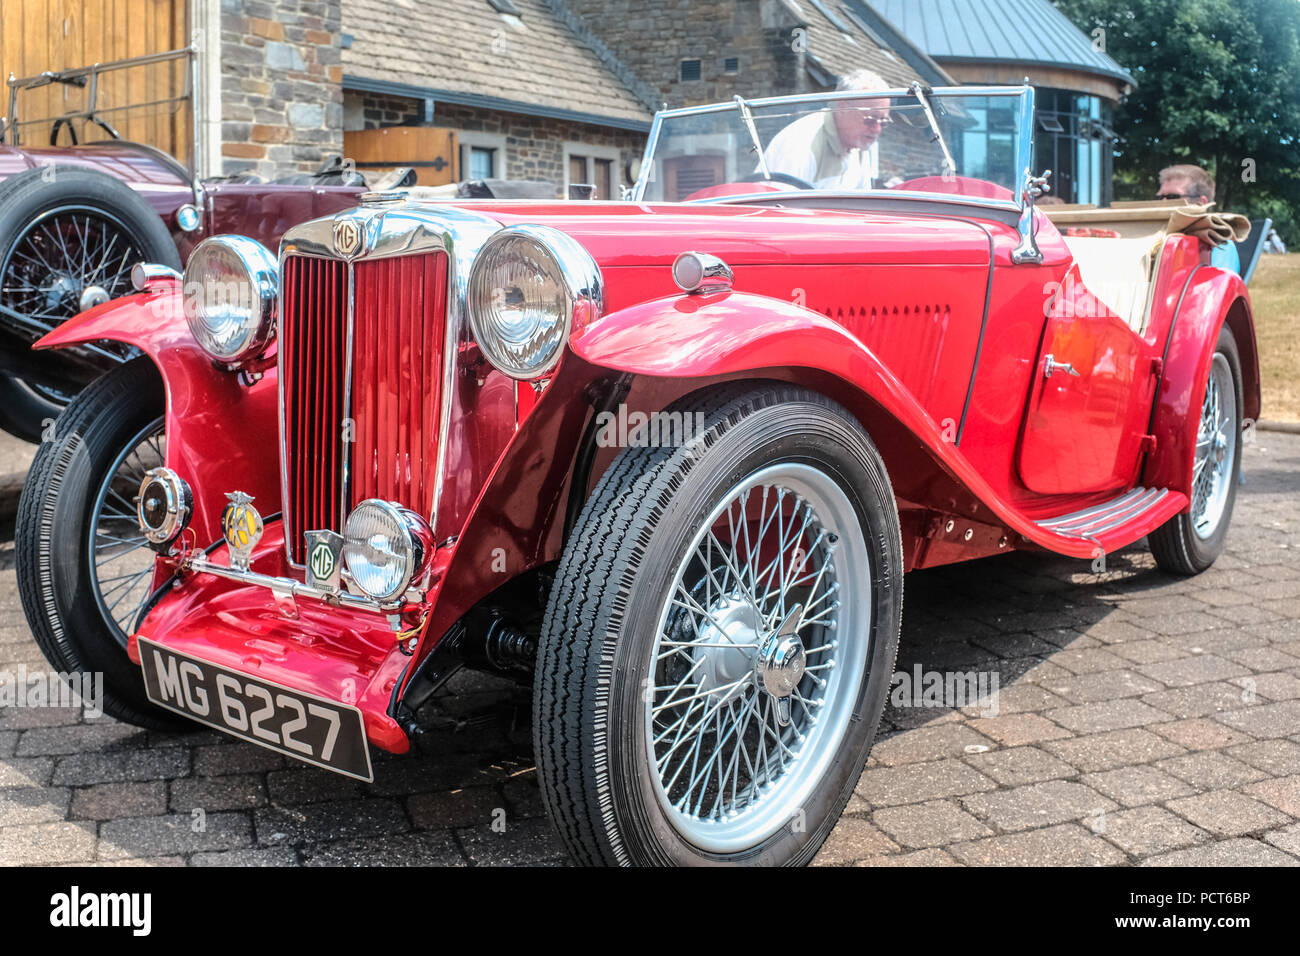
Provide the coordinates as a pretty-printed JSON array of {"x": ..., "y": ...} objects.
[
  {"x": 69, "y": 239},
  {"x": 719, "y": 643},
  {"x": 83, "y": 573},
  {"x": 1188, "y": 543}
]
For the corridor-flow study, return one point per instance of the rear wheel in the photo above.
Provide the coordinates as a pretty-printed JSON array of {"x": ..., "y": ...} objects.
[
  {"x": 719, "y": 644},
  {"x": 1188, "y": 543},
  {"x": 84, "y": 572}
]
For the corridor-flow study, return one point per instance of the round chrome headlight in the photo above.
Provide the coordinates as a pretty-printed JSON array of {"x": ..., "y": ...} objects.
[
  {"x": 385, "y": 548},
  {"x": 230, "y": 287},
  {"x": 523, "y": 288}
]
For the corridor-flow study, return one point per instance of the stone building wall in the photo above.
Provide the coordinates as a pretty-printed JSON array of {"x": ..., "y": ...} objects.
[
  {"x": 281, "y": 85},
  {"x": 760, "y": 34},
  {"x": 534, "y": 144}
]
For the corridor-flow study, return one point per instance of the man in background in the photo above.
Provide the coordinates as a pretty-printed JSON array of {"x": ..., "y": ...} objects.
[
  {"x": 835, "y": 148},
  {"x": 1195, "y": 186}
]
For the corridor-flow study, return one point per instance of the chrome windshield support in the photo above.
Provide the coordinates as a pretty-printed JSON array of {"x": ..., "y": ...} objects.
[
  {"x": 1032, "y": 187},
  {"x": 748, "y": 117}
]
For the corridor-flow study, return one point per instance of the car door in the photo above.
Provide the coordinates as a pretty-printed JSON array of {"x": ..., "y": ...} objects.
[{"x": 1090, "y": 397}]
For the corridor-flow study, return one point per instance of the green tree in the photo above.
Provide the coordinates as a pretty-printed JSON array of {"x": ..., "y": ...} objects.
[{"x": 1218, "y": 85}]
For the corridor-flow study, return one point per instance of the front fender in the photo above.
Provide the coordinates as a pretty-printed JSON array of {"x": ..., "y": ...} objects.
[
  {"x": 218, "y": 431},
  {"x": 1212, "y": 298}
]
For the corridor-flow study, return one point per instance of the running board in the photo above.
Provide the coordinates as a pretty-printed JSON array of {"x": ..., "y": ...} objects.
[{"x": 1118, "y": 522}]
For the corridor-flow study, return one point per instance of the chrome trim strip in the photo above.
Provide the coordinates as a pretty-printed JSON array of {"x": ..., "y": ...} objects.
[
  {"x": 1108, "y": 515},
  {"x": 1132, "y": 506},
  {"x": 345, "y": 484},
  {"x": 1147, "y": 503},
  {"x": 1093, "y": 511}
]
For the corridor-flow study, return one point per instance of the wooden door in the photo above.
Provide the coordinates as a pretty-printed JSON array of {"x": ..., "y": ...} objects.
[
  {"x": 40, "y": 35},
  {"x": 431, "y": 150}
]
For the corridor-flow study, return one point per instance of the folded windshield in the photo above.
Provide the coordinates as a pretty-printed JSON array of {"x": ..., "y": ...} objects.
[{"x": 927, "y": 141}]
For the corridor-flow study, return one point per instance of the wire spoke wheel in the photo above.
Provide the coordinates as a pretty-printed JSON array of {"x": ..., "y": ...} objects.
[
  {"x": 719, "y": 641},
  {"x": 1216, "y": 450},
  {"x": 67, "y": 260},
  {"x": 121, "y": 563},
  {"x": 758, "y": 659}
]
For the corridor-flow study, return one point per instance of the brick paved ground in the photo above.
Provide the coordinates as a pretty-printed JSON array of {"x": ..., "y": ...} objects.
[{"x": 1142, "y": 719}]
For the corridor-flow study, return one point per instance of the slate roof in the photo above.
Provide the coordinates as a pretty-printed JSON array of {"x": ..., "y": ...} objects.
[
  {"x": 841, "y": 39},
  {"x": 467, "y": 52},
  {"x": 1018, "y": 31}
]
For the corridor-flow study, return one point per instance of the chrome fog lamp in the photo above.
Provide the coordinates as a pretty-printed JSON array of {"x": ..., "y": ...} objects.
[
  {"x": 523, "y": 288},
  {"x": 231, "y": 284},
  {"x": 385, "y": 548},
  {"x": 164, "y": 506}
]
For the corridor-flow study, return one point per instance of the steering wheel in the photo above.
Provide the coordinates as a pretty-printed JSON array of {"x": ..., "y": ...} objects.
[
  {"x": 63, "y": 121},
  {"x": 777, "y": 178}
]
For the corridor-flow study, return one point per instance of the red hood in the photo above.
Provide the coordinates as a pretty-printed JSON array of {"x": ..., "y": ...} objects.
[{"x": 640, "y": 234}]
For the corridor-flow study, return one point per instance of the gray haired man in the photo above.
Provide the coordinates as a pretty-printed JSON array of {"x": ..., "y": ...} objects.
[{"x": 835, "y": 148}]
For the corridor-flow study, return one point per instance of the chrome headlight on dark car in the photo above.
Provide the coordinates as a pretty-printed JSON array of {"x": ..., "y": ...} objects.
[
  {"x": 523, "y": 289},
  {"x": 230, "y": 286}
]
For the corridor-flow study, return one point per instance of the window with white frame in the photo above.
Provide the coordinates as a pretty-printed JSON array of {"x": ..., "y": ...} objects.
[
  {"x": 594, "y": 165},
  {"x": 482, "y": 155}
]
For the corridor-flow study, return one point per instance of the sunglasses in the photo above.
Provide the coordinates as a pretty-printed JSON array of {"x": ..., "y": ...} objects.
[
  {"x": 872, "y": 119},
  {"x": 1184, "y": 196}
]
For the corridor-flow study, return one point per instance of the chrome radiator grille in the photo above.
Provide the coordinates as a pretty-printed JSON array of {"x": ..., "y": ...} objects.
[{"x": 361, "y": 405}]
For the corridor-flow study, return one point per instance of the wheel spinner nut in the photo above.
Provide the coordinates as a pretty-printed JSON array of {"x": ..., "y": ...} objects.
[{"x": 781, "y": 664}]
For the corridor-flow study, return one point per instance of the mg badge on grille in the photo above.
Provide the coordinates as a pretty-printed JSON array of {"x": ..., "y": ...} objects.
[
  {"x": 241, "y": 526},
  {"x": 323, "y": 565},
  {"x": 347, "y": 237}
]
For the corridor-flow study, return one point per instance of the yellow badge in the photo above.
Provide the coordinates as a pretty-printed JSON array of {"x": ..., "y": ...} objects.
[{"x": 241, "y": 525}]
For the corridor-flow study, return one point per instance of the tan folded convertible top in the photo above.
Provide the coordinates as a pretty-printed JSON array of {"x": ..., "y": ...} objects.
[{"x": 1135, "y": 219}]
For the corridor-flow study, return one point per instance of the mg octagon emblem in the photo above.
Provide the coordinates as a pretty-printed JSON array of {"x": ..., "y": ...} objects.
[{"x": 347, "y": 237}]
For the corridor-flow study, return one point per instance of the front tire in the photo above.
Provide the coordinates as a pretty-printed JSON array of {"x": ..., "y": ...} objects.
[
  {"x": 83, "y": 569},
  {"x": 703, "y": 584},
  {"x": 1189, "y": 543}
]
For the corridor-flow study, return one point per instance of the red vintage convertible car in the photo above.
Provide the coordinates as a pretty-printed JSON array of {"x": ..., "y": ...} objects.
[{"x": 671, "y": 457}]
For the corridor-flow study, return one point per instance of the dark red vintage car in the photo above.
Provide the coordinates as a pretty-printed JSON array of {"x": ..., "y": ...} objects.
[
  {"x": 75, "y": 218},
  {"x": 671, "y": 458}
]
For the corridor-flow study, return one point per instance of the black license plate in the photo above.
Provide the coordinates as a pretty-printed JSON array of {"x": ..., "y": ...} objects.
[{"x": 313, "y": 729}]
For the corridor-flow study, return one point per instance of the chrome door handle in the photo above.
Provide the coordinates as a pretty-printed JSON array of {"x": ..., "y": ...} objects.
[{"x": 1050, "y": 365}]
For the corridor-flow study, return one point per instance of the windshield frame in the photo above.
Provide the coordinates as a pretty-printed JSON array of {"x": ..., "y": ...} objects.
[{"x": 1023, "y": 152}]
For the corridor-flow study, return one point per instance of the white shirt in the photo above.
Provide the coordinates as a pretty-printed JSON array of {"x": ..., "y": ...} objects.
[{"x": 810, "y": 149}]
